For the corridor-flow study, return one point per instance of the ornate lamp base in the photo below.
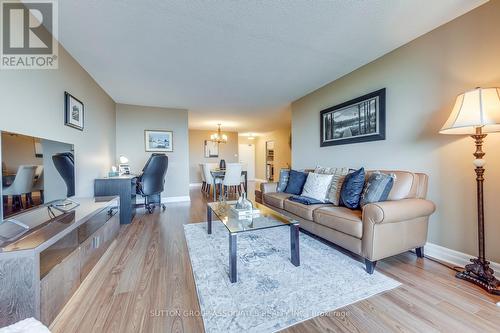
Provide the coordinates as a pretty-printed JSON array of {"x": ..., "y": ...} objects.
[{"x": 480, "y": 274}]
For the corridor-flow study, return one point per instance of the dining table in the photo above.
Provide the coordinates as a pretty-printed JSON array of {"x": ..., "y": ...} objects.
[{"x": 219, "y": 174}]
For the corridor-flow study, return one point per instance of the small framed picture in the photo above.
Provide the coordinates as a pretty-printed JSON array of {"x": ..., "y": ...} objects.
[
  {"x": 211, "y": 149},
  {"x": 73, "y": 112},
  {"x": 158, "y": 140}
]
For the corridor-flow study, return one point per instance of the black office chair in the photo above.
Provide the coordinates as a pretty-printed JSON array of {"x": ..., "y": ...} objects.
[
  {"x": 65, "y": 165},
  {"x": 152, "y": 180}
]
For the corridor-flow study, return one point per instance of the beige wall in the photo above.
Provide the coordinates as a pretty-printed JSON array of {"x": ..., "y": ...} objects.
[
  {"x": 227, "y": 151},
  {"x": 422, "y": 80},
  {"x": 282, "y": 152},
  {"x": 32, "y": 103},
  {"x": 132, "y": 120}
]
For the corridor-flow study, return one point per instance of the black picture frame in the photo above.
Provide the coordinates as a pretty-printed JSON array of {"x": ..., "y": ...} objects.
[
  {"x": 70, "y": 103},
  {"x": 373, "y": 106}
]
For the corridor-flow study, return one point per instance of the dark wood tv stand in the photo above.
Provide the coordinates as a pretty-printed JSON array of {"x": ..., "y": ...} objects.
[{"x": 42, "y": 269}]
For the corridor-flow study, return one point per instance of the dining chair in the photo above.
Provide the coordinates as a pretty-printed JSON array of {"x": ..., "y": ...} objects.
[
  {"x": 207, "y": 167},
  {"x": 22, "y": 184},
  {"x": 203, "y": 178},
  {"x": 232, "y": 178},
  {"x": 38, "y": 184}
]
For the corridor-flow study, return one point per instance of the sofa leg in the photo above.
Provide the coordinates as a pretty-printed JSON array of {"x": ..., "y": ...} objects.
[
  {"x": 370, "y": 266},
  {"x": 420, "y": 252}
]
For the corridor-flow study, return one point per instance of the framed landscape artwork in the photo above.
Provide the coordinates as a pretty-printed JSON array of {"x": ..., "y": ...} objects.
[
  {"x": 73, "y": 112},
  {"x": 358, "y": 120},
  {"x": 159, "y": 141},
  {"x": 211, "y": 149}
]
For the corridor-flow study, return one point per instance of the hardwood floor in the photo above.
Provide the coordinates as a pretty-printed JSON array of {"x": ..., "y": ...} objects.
[{"x": 145, "y": 284}]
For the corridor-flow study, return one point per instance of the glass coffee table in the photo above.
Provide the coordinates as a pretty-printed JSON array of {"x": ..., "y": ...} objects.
[{"x": 267, "y": 218}]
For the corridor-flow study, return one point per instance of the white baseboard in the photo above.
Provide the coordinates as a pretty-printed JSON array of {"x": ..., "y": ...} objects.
[
  {"x": 195, "y": 184},
  {"x": 185, "y": 198},
  {"x": 453, "y": 257},
  {"x": 260, "y": 180}
]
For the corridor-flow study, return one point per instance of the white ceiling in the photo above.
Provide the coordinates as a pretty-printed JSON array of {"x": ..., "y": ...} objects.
[{"x": 237, "y": 62}]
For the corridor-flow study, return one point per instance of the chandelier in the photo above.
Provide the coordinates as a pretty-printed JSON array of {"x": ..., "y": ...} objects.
[{"x": 218, "y": 137}]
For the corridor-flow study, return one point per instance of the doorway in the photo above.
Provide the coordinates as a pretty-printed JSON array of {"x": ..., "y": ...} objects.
[
  {"x": 270, "y": 161},
  {"x": 246, "y": 153}
]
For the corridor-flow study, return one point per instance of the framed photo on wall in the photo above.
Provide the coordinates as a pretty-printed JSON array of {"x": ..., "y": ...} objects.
[
  {"x": 359, "y": 120},
  {"x": 73, "y": 112},
  {"x": 159, "y": 141},
  {"x": 211, "y": 149}
]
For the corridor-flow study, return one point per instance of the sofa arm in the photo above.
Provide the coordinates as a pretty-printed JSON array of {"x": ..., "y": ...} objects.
[
  {"x": 393, "y": 227},
  {"x": 268, "y": 187},
  {"x": 398, "y": 210}
]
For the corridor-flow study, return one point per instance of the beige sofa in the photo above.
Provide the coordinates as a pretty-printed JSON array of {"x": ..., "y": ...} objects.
[{"x": 378, "y": 230}]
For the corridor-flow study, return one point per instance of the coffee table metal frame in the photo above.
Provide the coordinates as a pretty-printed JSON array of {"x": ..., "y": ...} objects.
[{"x": 227, "y": 216}]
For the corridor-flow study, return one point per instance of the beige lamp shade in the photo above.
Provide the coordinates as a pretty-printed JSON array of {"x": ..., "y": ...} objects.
[{"x": 475, "y": 108}]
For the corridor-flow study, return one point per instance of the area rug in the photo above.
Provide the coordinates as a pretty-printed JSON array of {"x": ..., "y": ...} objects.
[{"x": 271, "y": 293}]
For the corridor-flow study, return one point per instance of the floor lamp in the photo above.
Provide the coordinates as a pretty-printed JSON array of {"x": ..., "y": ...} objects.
[{"x": 476, "y": 113}]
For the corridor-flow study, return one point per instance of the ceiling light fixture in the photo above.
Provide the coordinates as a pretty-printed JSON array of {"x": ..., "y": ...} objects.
[{"x": 218, "y": 137}]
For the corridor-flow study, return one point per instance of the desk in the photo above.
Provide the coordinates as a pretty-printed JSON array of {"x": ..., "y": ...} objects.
[
  {"x": 123, "y": 186},
  {"x": 219, "y": 174}
]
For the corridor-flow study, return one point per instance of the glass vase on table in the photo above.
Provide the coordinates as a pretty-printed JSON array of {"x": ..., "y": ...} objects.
[{"x": 244, "y": 204}]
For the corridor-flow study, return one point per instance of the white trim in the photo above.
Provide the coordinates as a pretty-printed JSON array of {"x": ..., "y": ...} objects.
[
  {"x": 185, "y": 198},
  {"x": 260, "y": 180},
  {"x": 195, "y": 184},
  {"x": 453, "y": 257}
]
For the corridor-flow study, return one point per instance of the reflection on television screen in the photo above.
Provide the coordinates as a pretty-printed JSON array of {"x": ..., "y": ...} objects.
[{"x": 34, "y": 171}]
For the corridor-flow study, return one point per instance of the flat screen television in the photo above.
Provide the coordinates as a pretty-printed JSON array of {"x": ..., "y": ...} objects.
[{"x": 35, "y": 171}]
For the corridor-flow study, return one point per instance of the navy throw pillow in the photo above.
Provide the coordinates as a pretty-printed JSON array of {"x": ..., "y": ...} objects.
[
  {"x": 296, "y": 181},
  {"x": 305, "y": 200},
  {"x": 283, "y": 181},
  {"x": 350, "y": 194}
]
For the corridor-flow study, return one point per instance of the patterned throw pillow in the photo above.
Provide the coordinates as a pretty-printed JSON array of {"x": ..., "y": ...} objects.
[
  {"x": 283, "y": 181},
  {"x": 377, "y": 188},
  {"x": 337, "y": 180},
  {"x": 317, "y": 186},
  {"x": 352, "y": 188},
  {"x": 295, "y": 182}
]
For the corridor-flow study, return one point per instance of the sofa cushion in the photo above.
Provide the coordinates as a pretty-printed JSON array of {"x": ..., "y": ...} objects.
[
  {"x": 341, "y": 219},
  {"x": 296, "y": 182},
  {"x": 275, "y": 199},
  {"x": 317, "y": 186},
  {"x": 301, "y": 210},
  {"x": 352, "y": 188},
  {"x": 377, "y": 188},
  {"x": 404, "y": 186},
  {"x": 337, "y": 181},
  {"x": 283, "y": 181}
]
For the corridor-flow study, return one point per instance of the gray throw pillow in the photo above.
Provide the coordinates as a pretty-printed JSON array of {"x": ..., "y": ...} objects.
[
  {"x": 283, "y": 181},
  {"x": 337, "y": 181},
  {"x": 377, "y": 188}
]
